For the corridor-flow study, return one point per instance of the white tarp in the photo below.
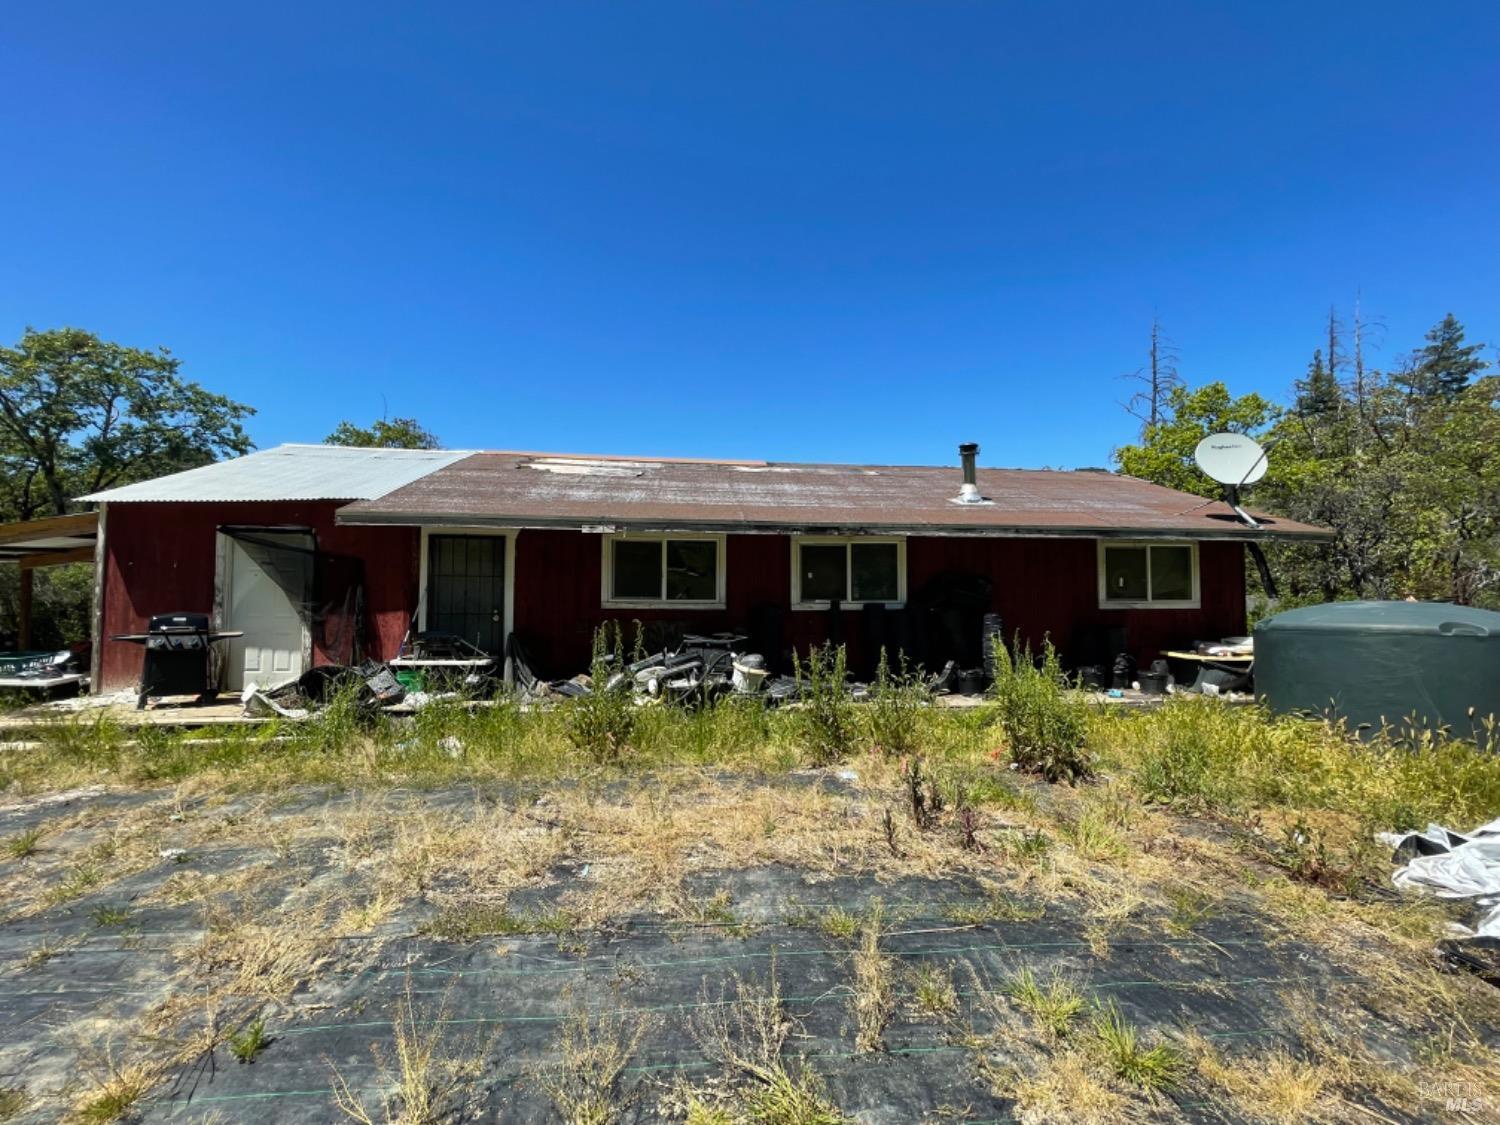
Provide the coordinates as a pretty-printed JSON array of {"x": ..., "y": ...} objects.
[{"x": 1453, "y": 865}]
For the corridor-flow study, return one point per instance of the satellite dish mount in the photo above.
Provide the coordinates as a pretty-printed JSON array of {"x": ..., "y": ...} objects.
[{"x": 1234, "y": 460}]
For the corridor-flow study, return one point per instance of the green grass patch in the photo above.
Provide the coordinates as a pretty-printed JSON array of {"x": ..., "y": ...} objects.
[{"x": 471, "y": 921}]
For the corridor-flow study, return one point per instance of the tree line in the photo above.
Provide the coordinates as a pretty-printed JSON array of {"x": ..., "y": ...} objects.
[
  {"x": 1401, "y": 463},
  {"x": 79, "y": 414}
]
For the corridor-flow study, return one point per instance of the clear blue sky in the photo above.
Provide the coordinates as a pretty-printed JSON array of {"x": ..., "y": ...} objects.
[{"x": 859, "y": 231}]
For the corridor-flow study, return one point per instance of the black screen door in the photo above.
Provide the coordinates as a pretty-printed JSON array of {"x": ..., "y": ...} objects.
[{"x": 466, "y": 588}]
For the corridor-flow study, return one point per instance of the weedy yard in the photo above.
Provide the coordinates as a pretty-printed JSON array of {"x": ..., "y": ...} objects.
[{"x": 594, "y": 913}]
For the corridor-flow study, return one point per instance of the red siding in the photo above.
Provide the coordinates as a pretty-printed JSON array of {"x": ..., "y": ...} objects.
[
  {"x": 1042, "y": 587},
  {"x": 1050, "y": 587},
  {"x": 159, "y": 558}
]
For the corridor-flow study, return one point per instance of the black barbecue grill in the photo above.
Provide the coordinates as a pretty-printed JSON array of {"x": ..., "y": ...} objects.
[{"x": 178, "y": 650}]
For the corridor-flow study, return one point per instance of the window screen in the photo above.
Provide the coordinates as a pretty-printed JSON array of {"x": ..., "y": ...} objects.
[
  {"x": 692, "y": 570},
  {"x": 824, "y": 572},
  {"x": 1125, "y": 574},
  {"x": 637, "y": 569},
  {"x": 874, "y": 572},
  {"x": 1171, "y": 574}
]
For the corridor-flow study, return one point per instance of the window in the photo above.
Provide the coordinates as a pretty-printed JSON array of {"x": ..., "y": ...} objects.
[
  {"x": 663, "y": 570},
  {"x": 1148, "y": 575},
  {"x": 850, "y": 571}
]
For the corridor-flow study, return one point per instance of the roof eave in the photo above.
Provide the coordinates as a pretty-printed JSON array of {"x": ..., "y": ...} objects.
[{"x": 1236, "y": 533}]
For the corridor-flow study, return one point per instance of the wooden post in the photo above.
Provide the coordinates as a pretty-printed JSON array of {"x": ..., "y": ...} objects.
[{"x": 23, "y": 641}]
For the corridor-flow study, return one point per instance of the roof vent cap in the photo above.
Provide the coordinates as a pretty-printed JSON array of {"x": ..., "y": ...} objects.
[{"x": 968, "y": 492}]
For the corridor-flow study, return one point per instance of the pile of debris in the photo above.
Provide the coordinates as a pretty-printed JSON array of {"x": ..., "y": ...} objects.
[
  {"x": 370, "y": 685},
  {"x": 1459, "y": 866},
  {"x": 700, "y": 669}
]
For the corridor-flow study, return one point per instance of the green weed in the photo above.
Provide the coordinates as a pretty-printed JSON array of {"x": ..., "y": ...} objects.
[
  {"x": 24, "y": 844},
  {"x": 1054, "y": 1003},
  {"x": 1157, "y": 1068},
  {"x": 110, "y": 916},
  {"x": 600, "y": 723},
  {"x": 1044, "y": 722},
  {"x": 932, "y": 990},
  {"x": 896, "y": 704},
  {"x": 249, "y": 1041},
  {"x": 828, "y": 713},
  {"x": 13, "y": 1099},
  {"x": 470, "y": 921}
]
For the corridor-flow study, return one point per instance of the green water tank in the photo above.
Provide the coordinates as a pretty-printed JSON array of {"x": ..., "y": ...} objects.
[{"x": 1384, "y": 662}]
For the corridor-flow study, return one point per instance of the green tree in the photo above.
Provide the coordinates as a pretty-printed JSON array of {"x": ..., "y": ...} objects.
[
  {"x": 1404, "y": 473},
  {"x": 79, "y": 414},
  {"x": 1165, "y": 452},
  {"x": 394, "y": 433},
  {"x": 1445, "y": 365},
  {"x": 1318, "y": 392}
]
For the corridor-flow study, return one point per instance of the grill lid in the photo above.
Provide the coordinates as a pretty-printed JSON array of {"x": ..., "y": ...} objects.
[{"x": 178, "y": 623}]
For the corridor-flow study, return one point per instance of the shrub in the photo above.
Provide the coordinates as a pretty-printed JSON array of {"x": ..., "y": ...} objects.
[
  {"x": 1044, "y": 724},
  {"x": 828, "y": 714},
  {"x": 601, "y": 722},
  {"x": 896, "y": 707}
]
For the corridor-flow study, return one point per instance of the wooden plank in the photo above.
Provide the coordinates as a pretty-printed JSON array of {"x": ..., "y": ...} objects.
[
  {"x": 82, "y": 524},
  {"x": 96, "y": 619},
  {"x": 56, "y": 558}
]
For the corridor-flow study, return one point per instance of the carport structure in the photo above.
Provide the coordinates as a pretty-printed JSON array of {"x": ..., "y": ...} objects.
[{"x": 48, "y": 541}]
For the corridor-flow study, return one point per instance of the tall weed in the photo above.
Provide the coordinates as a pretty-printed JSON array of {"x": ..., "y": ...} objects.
[
  {"x": 1045, "y": 724},
  {"x": 896, "y": 706},
  {"x": 828, "y": 713},
  {"x": 601, "y": 722}
]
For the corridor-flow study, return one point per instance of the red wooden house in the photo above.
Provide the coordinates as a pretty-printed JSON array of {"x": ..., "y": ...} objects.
[{"x": 483, "y": 544}]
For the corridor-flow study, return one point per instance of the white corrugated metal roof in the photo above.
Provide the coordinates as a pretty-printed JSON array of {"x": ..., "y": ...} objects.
[{"x": 293, "y": 472}]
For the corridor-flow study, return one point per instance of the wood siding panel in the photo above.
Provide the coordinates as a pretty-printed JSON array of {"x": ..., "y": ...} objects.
[
  {"x": 1042, "y": 587},
  {"x": 159, "y": 558}
]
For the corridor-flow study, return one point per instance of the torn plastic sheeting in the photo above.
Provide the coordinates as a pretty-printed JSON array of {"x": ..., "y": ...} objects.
[
  {"x": 259, "y": 705},
  {"x": 1453, "y": 865}
]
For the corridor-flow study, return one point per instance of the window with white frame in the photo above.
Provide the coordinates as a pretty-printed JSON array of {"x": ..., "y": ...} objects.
[
  {"x": 1148, "y": 575},
  {"x": 852, "y": 571},
  {"x": 670, "y": 570}
]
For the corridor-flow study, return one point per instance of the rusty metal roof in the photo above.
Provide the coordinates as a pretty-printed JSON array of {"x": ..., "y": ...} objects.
[{"x": 552, "y": 490}]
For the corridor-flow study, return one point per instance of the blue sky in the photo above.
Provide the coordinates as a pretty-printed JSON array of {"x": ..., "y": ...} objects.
[{"x": 860, "y": 231}]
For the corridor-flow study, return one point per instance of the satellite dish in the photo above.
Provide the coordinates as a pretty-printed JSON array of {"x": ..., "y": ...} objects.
[{"x": 1232, "y": 459}]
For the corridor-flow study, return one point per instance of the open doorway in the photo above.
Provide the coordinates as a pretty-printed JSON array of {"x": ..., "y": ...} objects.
[{"x": 265, "y": 592}]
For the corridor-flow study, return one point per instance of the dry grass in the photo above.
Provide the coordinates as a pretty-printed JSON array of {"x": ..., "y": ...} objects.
[
  {"x": 932, "y": 993},
  {"x": 1273, "y": 1087},
  {"x": 1066, "y": 1088},
  {"x": 874, "y": 999},
  {"x": 115, "y": 1089},
  {"x": 1118, "y": 854},
  {"x": 425, "y": 1080},
  {"x": 745, "y": 1033},
  {"x": 594, "y": 1050}
]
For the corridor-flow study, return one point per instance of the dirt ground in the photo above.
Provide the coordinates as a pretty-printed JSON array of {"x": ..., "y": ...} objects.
[{"x": 702, "y": 946}]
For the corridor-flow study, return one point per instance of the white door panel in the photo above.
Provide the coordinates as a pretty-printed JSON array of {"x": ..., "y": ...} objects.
[{"x": 270, "y": 652}]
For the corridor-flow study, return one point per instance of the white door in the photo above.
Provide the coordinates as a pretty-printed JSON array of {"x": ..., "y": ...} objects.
[{"x": 256, "y": 603}]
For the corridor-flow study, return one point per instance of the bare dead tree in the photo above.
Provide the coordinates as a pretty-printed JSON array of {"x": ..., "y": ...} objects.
[
  {"x": 1336, "y": 359},
  {"x": 1362, "y": 381},
  {"x": 1157, "y": 379}
]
